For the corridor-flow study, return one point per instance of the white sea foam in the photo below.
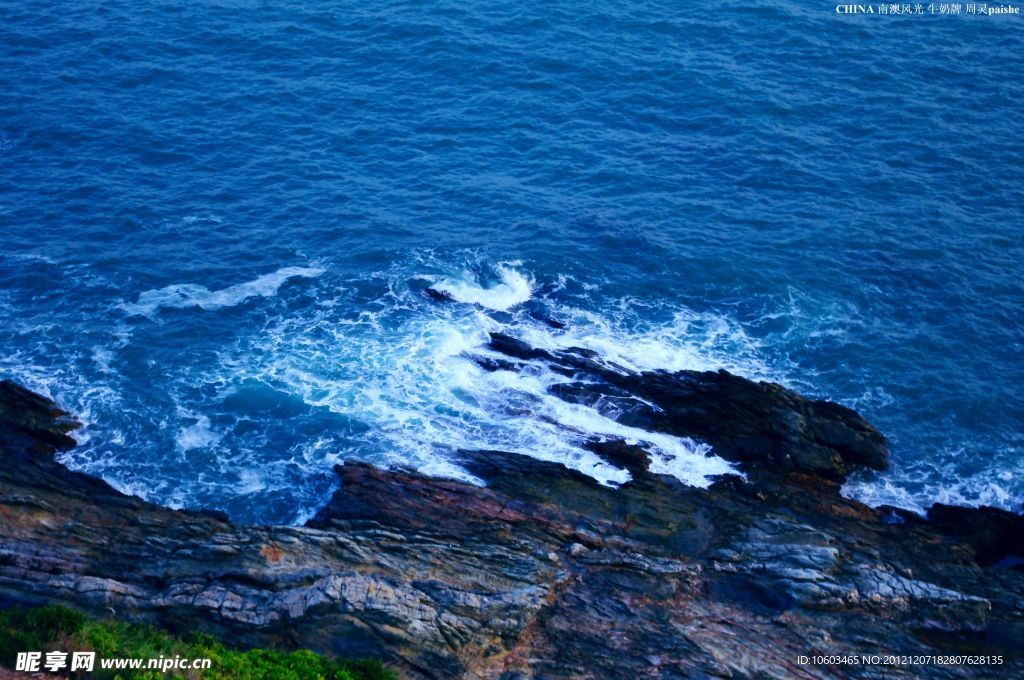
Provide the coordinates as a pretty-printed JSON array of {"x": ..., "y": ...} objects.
[
  {"x": 251, "y": 481},
  {"x": 514, "y": 289},
  {"x": 399, "y": 369},
  {"x": 405, "y": 370},
  {"x": 688, "y": 341},
  {"x": 374, "y": 371},
  {"x": 103, "y": 356},
  {"x": 182, "y": 295},
  {"x": 924, "y": 482},
  {"x": 198, "y": 435}
]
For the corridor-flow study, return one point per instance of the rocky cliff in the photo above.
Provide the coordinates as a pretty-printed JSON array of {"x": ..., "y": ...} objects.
[{"x": 544, "y": 573}]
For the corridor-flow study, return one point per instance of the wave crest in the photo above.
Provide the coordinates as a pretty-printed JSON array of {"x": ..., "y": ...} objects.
[{"x": 514, "y": 288}]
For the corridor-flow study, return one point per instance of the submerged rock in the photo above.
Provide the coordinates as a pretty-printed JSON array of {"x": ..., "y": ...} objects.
[
  {"x": 544, "y": 573},
  {"x": 437, "y": 295}
]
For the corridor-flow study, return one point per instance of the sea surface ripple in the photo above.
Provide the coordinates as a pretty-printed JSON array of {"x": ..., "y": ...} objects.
[{"x": 217, "y": 219}]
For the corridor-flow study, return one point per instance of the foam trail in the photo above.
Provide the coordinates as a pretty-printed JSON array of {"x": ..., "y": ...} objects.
[
  {"x": 515, "y": 288},
  {"x": 183, "y": 295}
]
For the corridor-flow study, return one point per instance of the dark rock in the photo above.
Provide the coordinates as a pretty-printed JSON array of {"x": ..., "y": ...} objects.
[
  {"x": 491, "y": 364},
  {"x": 506, "y": 344},
  {"x": 894, "y": 515},
  {"x": 543, "y": 573},
  {"x": 32, "y": 422},
  {"x": 612, "y": 402},
  {"x": 753, "y": 423},
  {"x": 995, "y": 535},
  {"x": 632, "y": 457},
  {"x": 437, "y": 295}
]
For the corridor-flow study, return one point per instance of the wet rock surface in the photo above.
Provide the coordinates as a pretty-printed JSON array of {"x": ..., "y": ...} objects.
[
  {"x": 544, "y": 573},
  {"x": 758, "y": 423}
]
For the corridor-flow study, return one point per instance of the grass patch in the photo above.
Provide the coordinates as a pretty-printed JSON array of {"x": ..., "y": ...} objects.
[{"x": 44, "y": 629}]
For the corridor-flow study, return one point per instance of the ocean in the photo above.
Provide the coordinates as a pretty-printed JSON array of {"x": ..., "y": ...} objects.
[{"x": 218, "y": 219}]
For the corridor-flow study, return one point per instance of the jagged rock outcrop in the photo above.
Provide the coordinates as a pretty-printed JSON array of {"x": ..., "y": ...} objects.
[
  {"x": 32, "y": 423},
  {"x": 758, "y": 423},
  {"x": 544, "y": 573}
]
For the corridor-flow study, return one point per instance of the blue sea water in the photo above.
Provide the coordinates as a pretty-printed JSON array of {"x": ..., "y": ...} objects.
[{"x": 217, "y": 219}]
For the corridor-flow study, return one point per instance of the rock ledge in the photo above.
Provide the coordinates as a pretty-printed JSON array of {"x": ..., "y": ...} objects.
[{"x": 543, "y": 573}]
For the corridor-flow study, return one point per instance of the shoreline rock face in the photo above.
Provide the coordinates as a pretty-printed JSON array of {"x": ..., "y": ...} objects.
[{"x": 544, "y": 573}]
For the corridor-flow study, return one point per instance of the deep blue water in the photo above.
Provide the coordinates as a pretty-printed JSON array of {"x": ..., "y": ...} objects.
[{"x": 216, "y": 220}]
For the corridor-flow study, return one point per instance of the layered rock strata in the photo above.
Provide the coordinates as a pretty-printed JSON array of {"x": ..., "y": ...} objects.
[{"x": 543, "y": 572}]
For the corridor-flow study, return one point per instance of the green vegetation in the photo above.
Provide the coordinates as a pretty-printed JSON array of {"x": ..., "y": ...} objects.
[{"x": 46, "y": 629}]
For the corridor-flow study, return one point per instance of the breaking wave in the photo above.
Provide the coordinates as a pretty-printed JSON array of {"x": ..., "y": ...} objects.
[
  {"x": 513, "y": 288},
  {"x": 377, "y": 367},
  {"x": 376, "y": 370}
]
